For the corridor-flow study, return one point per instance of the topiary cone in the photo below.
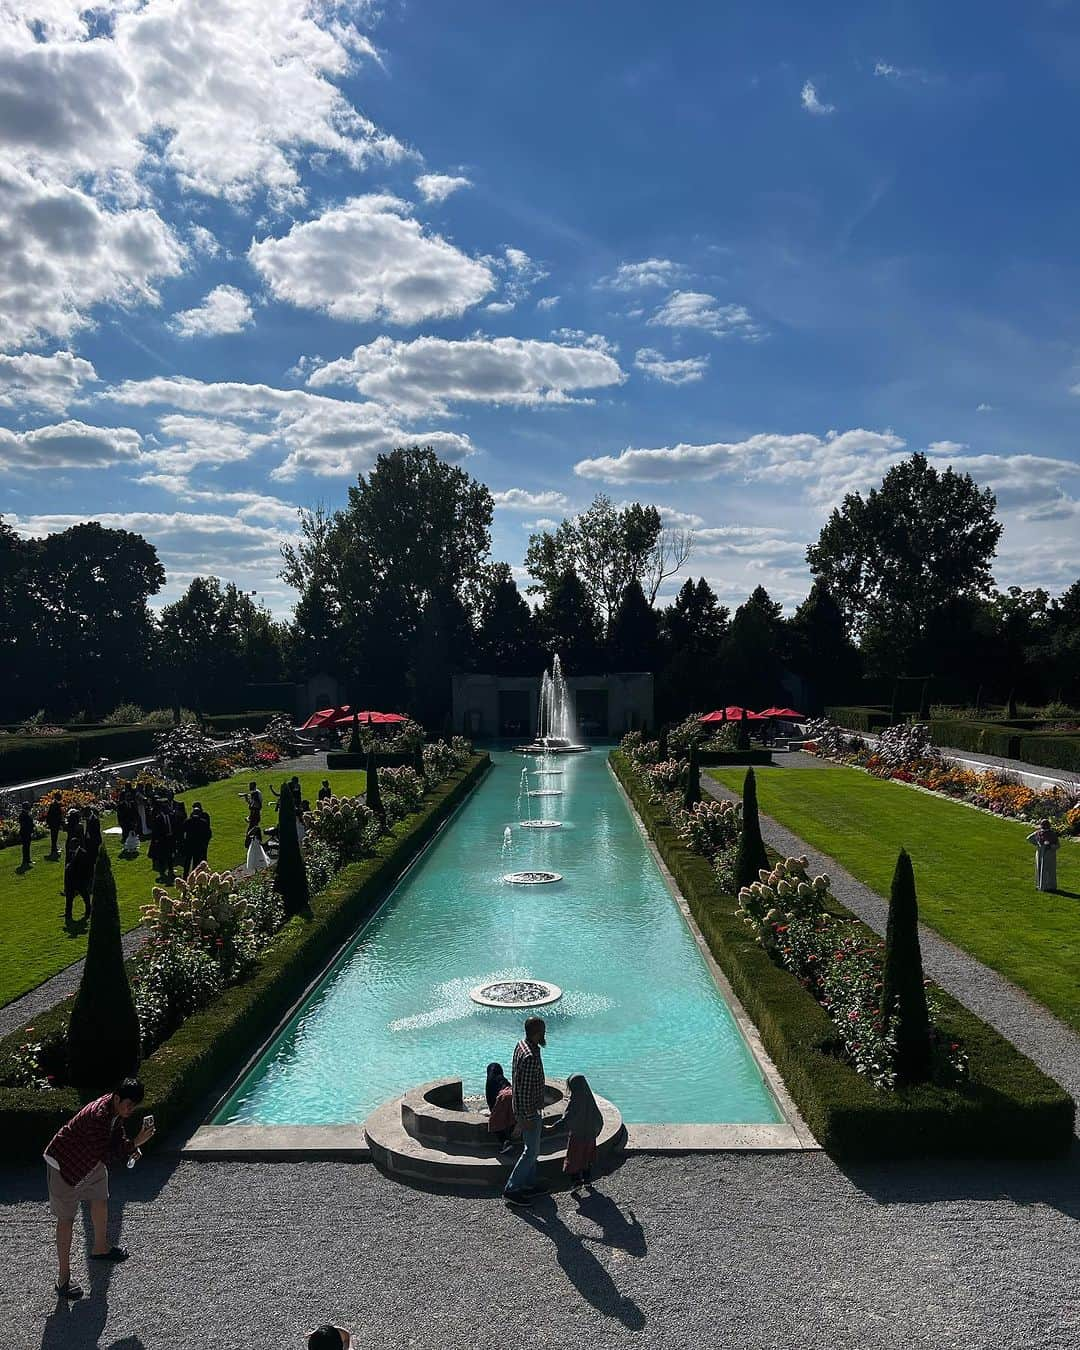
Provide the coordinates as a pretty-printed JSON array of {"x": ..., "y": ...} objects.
[
  {"x": 290, "y": 874},
  {"x": 751, "y": 857},
  {"x": 692, "y": 793},
  {"x": 103, "y": 1033},
  {"x": 371, "y": 793},
  {"x": 903, "y": 994},
  {"x": 355, "y": 748}
]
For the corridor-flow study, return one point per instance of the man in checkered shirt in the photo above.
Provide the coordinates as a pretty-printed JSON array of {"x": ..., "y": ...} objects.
[{"x": 527, "y": 1076}]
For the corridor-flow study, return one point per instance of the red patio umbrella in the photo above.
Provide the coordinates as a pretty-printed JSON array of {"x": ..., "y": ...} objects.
[
  {"x": 321, "y": 718},
  {"x": 789, "y": 713},
  {"x": 343, "y": 716},
  {"x": 717, "y": 716}
]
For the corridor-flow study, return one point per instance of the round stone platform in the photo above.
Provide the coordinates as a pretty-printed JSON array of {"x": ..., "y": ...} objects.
[{"x": 430, "y": 1135}]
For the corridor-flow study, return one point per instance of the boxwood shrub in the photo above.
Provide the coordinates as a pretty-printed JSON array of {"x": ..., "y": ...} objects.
[
  {"x": 1052, "y": 751},
  {"x": 1009, "y": 1107},
  {"x": 986, "y": 738},
  {"x": 214, "y": 1044},
  {"x": 859, "y": 719}
]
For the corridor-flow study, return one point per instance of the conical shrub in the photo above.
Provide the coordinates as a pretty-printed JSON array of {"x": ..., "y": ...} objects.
[
  {"x": 355, "y": 748},
  {"x": 742, "y": 735},
  {"x": 290, "y": 875},
  {"x": 371, "y": 793},
  {"x": 103, "y": 1032},
  {"x": 903, "y": 994},
  {"x": 751, "y": 857},
  {"x": 692, "y": 791},
  {"x": 662, "y": 751}
]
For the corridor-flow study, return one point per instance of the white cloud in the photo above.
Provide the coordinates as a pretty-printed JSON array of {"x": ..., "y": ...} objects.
[
  {"x": 61, "y": 254},
  {"x": 69, "y": 445},
  {"x": 899, "y": 74},
  {"x": 522, "y": 274},
  {"x": 678, "y": 520},
  {"x": 436, "y": 187},
  {"x": 640, "y": 275},
  {"x": 813, "y": 104},
  {"x": 652, "y": 363},
  {"x": 521, "y": 499},
  {"x": 541, "y": 523},
  {"x": 500, "y": 307},
  {"x": 985, "y": 408},
  {"x": 577, "y": 337},
  {"x": 428, "y": 374},
  {"x": 328, "y": 437},
  {"x": 698, "y": 309},
  {"x": 224, "y": 310},
  {"x": 203, "y": 241},
  {"x": 43, "y": 381},
  {"x": 367, "y": 260},
  {"x": 547, "y": 302},
  {"x": 250, "y": 505}
]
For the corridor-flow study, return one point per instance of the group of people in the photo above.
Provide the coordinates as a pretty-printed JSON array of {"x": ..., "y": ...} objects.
[
  {"x": 178, "y": 839},
  {"x": 517, "y": 1107}
]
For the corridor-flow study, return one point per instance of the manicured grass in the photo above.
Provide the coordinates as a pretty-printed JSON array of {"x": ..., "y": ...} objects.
[
  {"x": 35, "y": 944},
  {"x": 975, "y": 873}
]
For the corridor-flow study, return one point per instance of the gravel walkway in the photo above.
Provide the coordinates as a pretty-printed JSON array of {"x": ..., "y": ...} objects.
[
  {"x": 749, "y": 1250},
  {"x": 1053, "y": 1046}
]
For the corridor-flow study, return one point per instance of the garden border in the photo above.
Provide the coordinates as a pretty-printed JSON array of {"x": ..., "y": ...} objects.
[
  {"x": 1009, "y": 1108},
  {"x": 207, "y": 1046}
]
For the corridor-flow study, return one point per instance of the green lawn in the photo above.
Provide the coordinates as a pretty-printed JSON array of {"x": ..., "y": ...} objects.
[
  {"x": 975, "y": 873},
  {"x": 34, "y": 943}
]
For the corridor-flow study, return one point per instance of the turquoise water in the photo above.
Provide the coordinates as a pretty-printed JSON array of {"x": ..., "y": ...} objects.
[{"x": 640, "y": 1014}]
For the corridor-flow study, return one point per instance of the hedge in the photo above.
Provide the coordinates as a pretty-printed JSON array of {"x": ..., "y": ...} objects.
[
  {"x": 388, "y": 759},
  {"x": 1009, "y": 1107},
  {"x": 986, "y": 738},
  {"x": 1060, "y": 751},
  {"x": 711, "y": 759},
  {"x": 30, "y": 757},
  {"x": 246, "y": 721},
  {"x": 860, "y": 719},
  {"x": 216, "y": 1042}
]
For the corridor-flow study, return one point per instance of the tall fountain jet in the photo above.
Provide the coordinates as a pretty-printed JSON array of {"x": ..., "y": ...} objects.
[{"x": 556, "y": 730}]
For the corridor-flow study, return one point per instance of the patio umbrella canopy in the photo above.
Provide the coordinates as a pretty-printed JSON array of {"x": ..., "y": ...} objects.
[
  {"x": 343, "y": 716},
  {"x": 733, "y": 714},
  {"x": 789, "y": 713}
]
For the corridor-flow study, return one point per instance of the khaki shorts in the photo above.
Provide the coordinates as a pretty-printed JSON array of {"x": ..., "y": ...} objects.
[{"x": 64, "y": 1199}]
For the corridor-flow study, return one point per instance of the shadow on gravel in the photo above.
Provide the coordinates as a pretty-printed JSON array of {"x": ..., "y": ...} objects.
[
  {"x": 616, "y": 1228},
  {"x": 75, "y": 1326},
  {"x": 1054, "y": 1182},
  {"x": 582, "y": 1269}
]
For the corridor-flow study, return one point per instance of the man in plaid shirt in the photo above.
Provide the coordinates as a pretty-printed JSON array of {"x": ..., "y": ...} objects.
[
  {"x": 75, "y": 1161},
  {"x": 527, "y": 1077}
]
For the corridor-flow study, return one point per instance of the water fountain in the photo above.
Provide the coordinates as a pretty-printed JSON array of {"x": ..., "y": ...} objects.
[
  {"x": 525, "y": 794},
  {"x": 556, "y": 724}
]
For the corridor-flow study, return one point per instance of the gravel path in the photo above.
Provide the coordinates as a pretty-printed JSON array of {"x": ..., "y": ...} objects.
[
  {"x": 743, "y": 1250},
  {"x": 1053, "y": 1046}
]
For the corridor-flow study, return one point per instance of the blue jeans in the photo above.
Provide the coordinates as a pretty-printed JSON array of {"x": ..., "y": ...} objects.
[{"x": 524, "y": 1174}]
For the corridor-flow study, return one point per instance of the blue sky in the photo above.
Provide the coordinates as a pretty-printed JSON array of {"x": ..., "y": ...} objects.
[{"x": 735, "y": 260}]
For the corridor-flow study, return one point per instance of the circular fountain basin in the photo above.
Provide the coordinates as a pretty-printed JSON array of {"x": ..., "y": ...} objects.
[
  {"x": 526, "y": 993},
  {"x": 540, "y": 824},
  {"x": 551, "y": 748},
  {"x": 545, "y": 792},
  {"x": 531, "y": 878}
]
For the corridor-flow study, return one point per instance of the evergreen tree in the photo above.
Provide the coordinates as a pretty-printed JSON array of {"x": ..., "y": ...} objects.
[
  {"x": 819, "y": 650},
  {"x": 290, "y": 876},
  {"x": 753, "y": 650},
  {"x": 742, "y": 733},
  {"x": 694, "y": 628},
  {"x": 371, "y": 792},
  {"x": 692, "y": 792},
  {"x": 663, "y": 751},
  {"x": 508, "y": 639},
  {"x": 355, "y": 748},
  {"x": 903, "y": 995},
  {"x": 103, "y": 1033},
  {"x": 633, "y": 643},
  {"x": 571, "y": 626},
  {"x": 751, "y": 857}
]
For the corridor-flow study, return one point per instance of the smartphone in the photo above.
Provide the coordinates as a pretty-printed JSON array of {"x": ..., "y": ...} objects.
[{"x": 148, "y": 1122}]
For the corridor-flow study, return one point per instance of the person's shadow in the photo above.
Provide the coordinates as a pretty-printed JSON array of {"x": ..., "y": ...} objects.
[
  {"x": 79, "y": 1324},
  {"x": 616, "y": 1228},
  {"x": 582, "y": 1268}
]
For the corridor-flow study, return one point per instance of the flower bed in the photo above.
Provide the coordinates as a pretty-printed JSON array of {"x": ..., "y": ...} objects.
[
  {"x": 1005, "y": 1106},
  {"x": 214, "y": 1040},
  {"x": 906, "y": 755}
]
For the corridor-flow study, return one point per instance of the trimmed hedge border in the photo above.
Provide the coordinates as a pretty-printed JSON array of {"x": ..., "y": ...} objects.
[
  {"x": 219, "y": 1039},
  {"x": 1009, "y": 1108},
  {"x": 985, "y": 738},
  {"x": 1057, "y": 750},
  {"x": 859, "y": 719},
  {"x": 385, "y": 759},
  {"x": 715, "y": 759},
  {"x": 28, "y": 757}
]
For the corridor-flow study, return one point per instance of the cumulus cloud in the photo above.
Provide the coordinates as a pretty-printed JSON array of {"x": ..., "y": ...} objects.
[
  {"x": 369, "y": 259},
  {"x": 328, "y": 437},
  {"x": 62, "y": 253},
  {"x": 428, "y": 374},
  {"x": 641, "y": 275},
  {"x": 69, "y": 445},
  {"x": 652, "y": 363},
  {"x": 985, "y": 408},
  {"x": 436, "y": 187},
  {"x": 577, "y": 337},
  {"x": 521, "y": 499},
  {"x": 812, "y": 104},
  {"x": 49, "y": 382},
  {"x": 226, "y": 309},
  {"x": 547, "y": 302},
  {"x": 500, "y": 307},
  {"x": 698, "y": 309}
]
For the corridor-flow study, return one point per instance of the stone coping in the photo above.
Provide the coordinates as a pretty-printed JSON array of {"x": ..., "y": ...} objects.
[{"x": 435, "y": 1112}]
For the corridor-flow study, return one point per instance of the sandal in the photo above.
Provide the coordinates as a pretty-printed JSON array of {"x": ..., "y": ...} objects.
[
  {"x": 69, "y": 1289},
  {"x": 113, "y": 1254}
]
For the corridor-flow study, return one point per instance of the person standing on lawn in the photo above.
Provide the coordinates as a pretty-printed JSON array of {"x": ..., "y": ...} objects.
[
  {"x": 527, "y": 1075},
  {"x": 198, "y": 834},
  {"x": 1047, "y": 843},
  {"x": 76, "y": 1161},
  {"x": 54, "y": 821},
  {"x": 26, "y": 835}
]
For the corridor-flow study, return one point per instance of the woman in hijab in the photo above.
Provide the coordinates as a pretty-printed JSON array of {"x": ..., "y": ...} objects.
[
  {"x": 500, "y": 1100},
  {"x": 1046, "y": 842},
  {"x": 584, "y": 1122}
]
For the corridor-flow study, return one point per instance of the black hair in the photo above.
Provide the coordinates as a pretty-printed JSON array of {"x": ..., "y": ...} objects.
[
  {"x": 534, "y": 1024},
  {"x": 131, "y": 1090},
  {"x": 325, "y": 1337}
]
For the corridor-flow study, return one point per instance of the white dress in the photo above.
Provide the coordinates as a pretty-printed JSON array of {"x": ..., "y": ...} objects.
[
  {"x": 257, "y": 861},
  {"x": 1045, "y": 862}
]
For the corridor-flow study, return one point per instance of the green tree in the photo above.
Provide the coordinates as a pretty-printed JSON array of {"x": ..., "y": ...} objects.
[
  {"x": 290, "y": 874},
  {"x": 903, "y": 994},
  {"x": 819, "y": 649},
  {"x": 310, "y": 568},
  {"x": 753, "y": 650},
  {"x": 693, "y": 630},
  {"x": 571, "y": 627},
  {"x": 508, "y": 638},
  {"x": 751, "y": 856},
  {"x": 103, "y": 1032},
  {"x": 634, "y": 640},
  {"x": 1062, "y": 650},
  {"x": 893, "y": 558}
]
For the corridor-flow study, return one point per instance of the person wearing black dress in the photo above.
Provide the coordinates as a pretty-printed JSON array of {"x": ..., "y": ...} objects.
[
  {"x": 92, "y": 834},
  {"x": 26, "y": 835},
  {"x": 54, "y": 820},
  {"x": 78, "y": 867}
]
